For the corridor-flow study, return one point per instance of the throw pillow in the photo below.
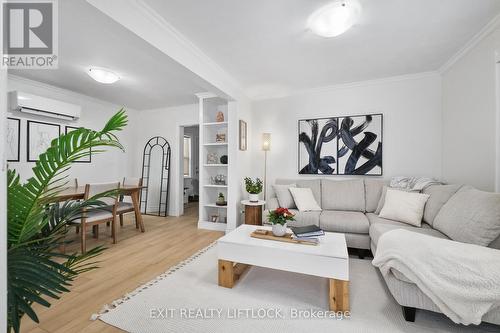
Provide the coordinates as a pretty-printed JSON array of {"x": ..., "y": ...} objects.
[
  {"x": 284, "y": 196},
  {"x": 407, "y": 207},
  {"x": 470, "y": 216},
  {"x": 304, "y": 199},
  {"x": 382, "y": 196}
]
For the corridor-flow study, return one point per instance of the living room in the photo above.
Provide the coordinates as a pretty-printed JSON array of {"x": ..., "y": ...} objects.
[{"x": 346, "y": 160}]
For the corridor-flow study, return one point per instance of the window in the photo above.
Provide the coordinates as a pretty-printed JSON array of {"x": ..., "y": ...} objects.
[{"x": 187, "y": 157}]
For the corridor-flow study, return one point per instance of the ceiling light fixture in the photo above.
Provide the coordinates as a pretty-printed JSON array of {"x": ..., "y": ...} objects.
[
  {"x": 335, "y": 18},
  {"x": 103, "y": 75}
]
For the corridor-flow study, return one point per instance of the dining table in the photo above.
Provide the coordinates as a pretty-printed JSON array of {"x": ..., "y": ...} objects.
[{"x": 78, "y": 193}]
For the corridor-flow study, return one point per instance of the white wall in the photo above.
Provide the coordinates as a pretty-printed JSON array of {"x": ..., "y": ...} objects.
[
  {"x": 3, "y": 197},
  {"x": 165, "y": 122},
  {"x": 109, "y": 166},
  {"x": 469, "y": 116},
  {"x": 412, "y": 123}
]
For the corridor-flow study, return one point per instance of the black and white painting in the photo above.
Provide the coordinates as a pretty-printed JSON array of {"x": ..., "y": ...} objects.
[
  {"x": 360, "y": 145},
  {"x": 39, "y": 137},
  {"x": 318, "y": 146},
  {"x": 13, "y": 139},
  {"x": 86, "y": 159},
  {"x": 341, "y": 145}
]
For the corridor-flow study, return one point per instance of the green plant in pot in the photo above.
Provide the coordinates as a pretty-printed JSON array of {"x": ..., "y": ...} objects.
[
  {"x": 279, "y": 219},
  {"x": 254, "y": 188},
  {"x": 36, "y": 225},
  {"x": 221, "y": 200}
]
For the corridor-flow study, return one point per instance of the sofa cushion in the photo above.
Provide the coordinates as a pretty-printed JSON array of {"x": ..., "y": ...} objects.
[
  {"x": 439, "y": 195},
  {"x": 373, "y": 192},
  {"x": 470, "y": 216},
  {"x": 374, "y": 218},
  {"x": 404, "y": 206},
  {"x": 378, "y": 229},
  {"x": 344, "y": 221},
  {"x": 284, "y": 196},
  {"x": 343, "y": 195},
  {"x": 313, "y": 184},
  {"x": 304, "y": 218}
]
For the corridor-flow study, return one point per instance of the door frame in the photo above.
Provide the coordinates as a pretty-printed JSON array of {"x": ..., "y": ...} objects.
[{"x": 180, "y": 166}]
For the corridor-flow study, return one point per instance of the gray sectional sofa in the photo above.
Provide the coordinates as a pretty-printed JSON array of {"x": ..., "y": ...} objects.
[{"x": 352, "y": 206}]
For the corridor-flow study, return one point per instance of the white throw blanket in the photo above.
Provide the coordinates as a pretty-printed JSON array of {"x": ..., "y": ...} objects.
[
  {"x": 463, "y": 280},
  {"x": 413, "y": 183}
]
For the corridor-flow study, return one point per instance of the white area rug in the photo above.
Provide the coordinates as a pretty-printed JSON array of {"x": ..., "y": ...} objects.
[{"x": 191, "y": 290}]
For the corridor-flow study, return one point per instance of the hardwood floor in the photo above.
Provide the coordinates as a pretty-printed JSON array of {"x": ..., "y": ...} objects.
[{"x": 133, "y": 261}]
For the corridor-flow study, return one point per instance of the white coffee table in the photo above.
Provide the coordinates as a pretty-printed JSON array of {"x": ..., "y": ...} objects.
[{"x": 329, "y": 259}]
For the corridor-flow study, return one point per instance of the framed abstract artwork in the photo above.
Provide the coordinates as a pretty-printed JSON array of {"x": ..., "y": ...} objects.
[
  {"x": 348, "y": 145},
  {"x": 243, "y": 135},
  {"x": 13, "y": 147},
  {"x": 87, "y": 159},
  {"x": 39, "y": 137}
]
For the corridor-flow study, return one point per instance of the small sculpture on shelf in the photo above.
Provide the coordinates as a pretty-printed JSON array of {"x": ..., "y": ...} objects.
[
  {"x": 220, "y": 137},
  {"x": 219, "y": 117},
  {"x": 223, "y": 159},
  {"x": 212, "y": 158},
  {"x": 221, "y": 200}
]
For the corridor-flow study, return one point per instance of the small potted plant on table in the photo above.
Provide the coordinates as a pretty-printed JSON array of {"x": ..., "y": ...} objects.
[
  {"x": 279, "y": 218},
  {"x": 253, "y": 188}
]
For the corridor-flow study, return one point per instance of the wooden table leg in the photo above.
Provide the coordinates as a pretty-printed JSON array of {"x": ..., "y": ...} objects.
[
  {"x": 339, "y": 295},
  {"x": 226, "y": 273},
  {"x": 138, "y": 216}
]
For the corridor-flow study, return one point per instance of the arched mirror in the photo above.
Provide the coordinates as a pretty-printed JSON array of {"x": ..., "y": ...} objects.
[{"x": 156, "y": 177}]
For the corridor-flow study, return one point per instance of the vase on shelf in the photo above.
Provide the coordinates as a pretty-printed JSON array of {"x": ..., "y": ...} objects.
[{"x": 279, "y": 230}]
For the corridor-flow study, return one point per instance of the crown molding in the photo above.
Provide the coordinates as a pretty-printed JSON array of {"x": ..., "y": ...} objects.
[
  {"x": 145, "y": 22},
  {"x": 485, "y": 31},
  {"x": 349, "y": 85}
]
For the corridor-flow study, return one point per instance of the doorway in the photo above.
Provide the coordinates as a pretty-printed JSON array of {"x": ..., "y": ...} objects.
[{"x": 191, "y": 171}]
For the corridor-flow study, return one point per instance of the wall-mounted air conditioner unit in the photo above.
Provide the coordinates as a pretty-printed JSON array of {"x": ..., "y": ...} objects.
[{"x": 42, "y": 106}]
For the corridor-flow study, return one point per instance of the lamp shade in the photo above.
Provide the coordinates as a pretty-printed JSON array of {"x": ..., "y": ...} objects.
[{"x": 266, "y": 141}]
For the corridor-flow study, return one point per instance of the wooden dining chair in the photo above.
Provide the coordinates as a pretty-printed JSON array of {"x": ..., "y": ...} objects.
[
  {"x": 125, "y": 206},
  {"x": 94, "y": 217}
]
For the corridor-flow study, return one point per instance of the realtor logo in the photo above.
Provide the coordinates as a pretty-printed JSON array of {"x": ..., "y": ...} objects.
[{"x": 29, "y": 34}]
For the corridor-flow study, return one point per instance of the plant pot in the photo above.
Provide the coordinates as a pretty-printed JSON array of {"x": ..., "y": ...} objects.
[
  {"x": 253, "y": 197},
  {"x": 279, "y": 230}
]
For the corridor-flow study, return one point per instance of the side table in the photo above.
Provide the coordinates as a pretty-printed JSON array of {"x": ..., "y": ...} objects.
[{"x": 253, "y": 211}]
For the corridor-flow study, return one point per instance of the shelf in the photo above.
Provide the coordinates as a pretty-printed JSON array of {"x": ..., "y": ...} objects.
[
  {"x": 219, "y": 226},
  {"x": 223, "y": 123},
  {"x": 215, "y": 206},
  {"x": 216, "y": 165},
  {"x": 215, "y": 186},
  {"x": 216, "y": 144}
]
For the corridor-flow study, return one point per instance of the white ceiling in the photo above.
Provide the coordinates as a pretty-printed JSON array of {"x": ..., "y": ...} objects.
[
  {"x": 265, "y": 45},
  {"x": 150, "y": 79}
]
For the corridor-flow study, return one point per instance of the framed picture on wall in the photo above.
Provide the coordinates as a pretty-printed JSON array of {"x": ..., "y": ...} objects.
[
  {"x": 243, "y": 135},
  {"x": 13, "y": 139},
  {"x": 39, "y": 137},
  {"x": 87, "y": 159},
  {"x": 347, "y": 145}
]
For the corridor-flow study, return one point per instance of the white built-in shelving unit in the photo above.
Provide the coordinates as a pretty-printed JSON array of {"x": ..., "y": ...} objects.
[{"x": 210, "y": 106}]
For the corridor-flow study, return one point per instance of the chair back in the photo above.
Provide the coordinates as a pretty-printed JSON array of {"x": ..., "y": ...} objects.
[
  {"x": 98, "y": 188},
  {"x": 132, "y": 181}
]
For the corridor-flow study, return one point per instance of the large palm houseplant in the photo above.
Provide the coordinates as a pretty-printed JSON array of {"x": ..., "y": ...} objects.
[{"x": 36, "y": 225}]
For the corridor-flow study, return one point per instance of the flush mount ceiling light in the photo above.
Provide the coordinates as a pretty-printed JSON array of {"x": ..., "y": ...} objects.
[
  {"x": 103, "y": 75},
  {"x": 335, "y": 18}
]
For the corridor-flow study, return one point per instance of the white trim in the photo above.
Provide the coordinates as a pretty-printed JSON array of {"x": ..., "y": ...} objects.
[
  {"x": 204, "y": 95},
  {"x": 355, "y": 84},
  {"x": 146, "y": 23},
  {"x": 485, "y": 31}
]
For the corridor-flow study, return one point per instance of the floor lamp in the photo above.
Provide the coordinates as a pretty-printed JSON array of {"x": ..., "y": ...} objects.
[{"x": 266, "y": 146}]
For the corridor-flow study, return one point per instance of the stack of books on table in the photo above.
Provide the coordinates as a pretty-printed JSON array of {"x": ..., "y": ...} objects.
[{"x": 308, "y": 233}]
